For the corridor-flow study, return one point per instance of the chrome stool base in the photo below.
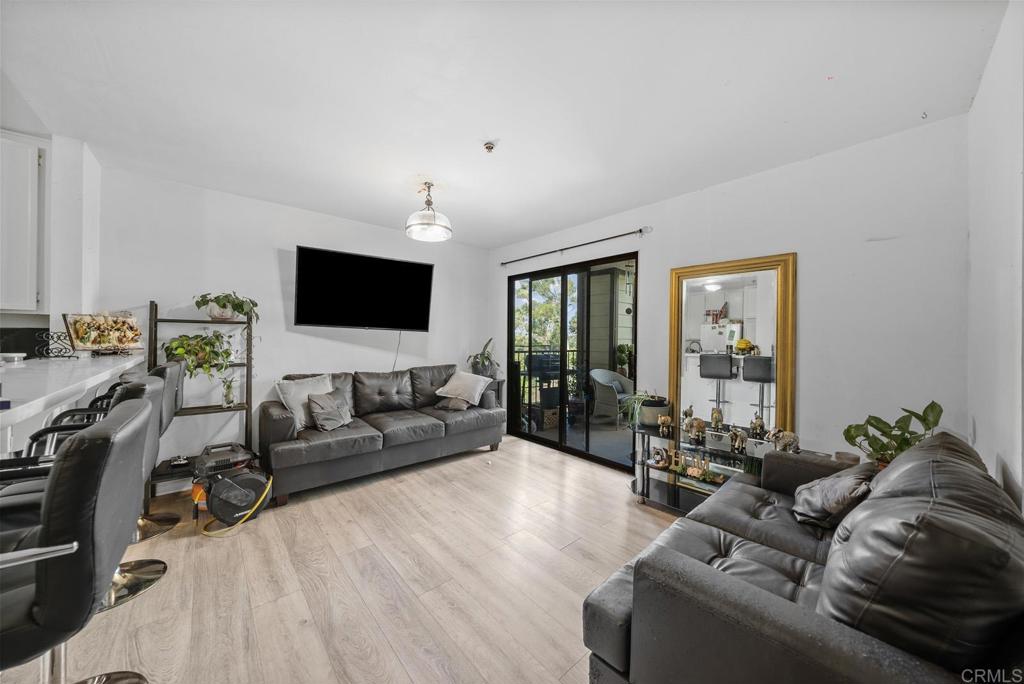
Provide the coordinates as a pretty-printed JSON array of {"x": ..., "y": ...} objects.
[
  {"x": 153, "y": 525},
  {"x": 131, "y": 579},
  {"x": 54, "y": 670}
]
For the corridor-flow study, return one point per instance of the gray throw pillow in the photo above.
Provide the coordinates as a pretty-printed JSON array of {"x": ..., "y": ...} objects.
[
  {"x": 452, "y": 404},
  {"x": 826, "y": 501},
  {"x": 465, "y": 386},
  {"x": 294, "y": 395},
  {"x": 327, "y": 414}
]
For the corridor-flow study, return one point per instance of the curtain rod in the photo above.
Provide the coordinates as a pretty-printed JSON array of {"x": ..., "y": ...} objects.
[{"x": 641, "y": 231}]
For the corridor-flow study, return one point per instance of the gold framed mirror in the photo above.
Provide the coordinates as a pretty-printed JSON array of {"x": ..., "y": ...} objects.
[{"x": 721, "y": 316}]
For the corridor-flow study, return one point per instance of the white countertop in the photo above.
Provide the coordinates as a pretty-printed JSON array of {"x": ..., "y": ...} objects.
[{"x": 39, "y": 385}]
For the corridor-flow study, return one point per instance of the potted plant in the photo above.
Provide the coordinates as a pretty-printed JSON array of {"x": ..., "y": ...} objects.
[
  {"x": 483, "y": 362},
  {"x": 624, "y": 359},
  {"x": 207, "y": 353},
  {"x": 644, "y": 408},
  {"x": 882, "y": 441},
  {"x": 227, "y": 306}
]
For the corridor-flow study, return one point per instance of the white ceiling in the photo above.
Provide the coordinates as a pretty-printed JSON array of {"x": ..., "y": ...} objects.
[{"x": 597, "y": 107}]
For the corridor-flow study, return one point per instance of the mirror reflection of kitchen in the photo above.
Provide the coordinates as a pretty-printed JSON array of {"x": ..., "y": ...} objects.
[{"x": 729, "y": 334}]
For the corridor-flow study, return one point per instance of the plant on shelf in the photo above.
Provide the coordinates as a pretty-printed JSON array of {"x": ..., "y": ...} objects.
[
  {"x": 631, "y": 405},
  {"x": 882, "y": 442},
  {"x": 206, "y": 353},
  {"x": 483, "y": 362},
  {"x": 227, "y": 306}
]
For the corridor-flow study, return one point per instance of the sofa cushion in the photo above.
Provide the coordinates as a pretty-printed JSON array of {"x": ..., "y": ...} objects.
[
  {"x": 473, "y": 418},
  {"x": 377, "y": 392},
  {"x": 927, "y": 575},
  {"x": 294, "y": 394},
  {"x": 949, "y": 468},
  {"x": 826, "y": 501},
  {"x": 764, "y": 517},
  {"x": 403, "y": 427},
  {"x": 608, "y": 610},
  {"x": 327, "y": 414},
  {"x": 466, "y": 386},
  {"x": 787, "y": 576},
  {"x": 426, "y": 380},
  {"x": 313, "y": 446}
]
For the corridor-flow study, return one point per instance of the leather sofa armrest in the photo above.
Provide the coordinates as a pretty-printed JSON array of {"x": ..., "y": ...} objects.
[
  {"x": 276, "y": 425},
  {"x": 783, "y": 472},
  {"x": 684, "y": 609}
]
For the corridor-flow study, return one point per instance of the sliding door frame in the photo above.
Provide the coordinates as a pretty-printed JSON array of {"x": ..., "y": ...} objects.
[{"x": 513, "y": 426}]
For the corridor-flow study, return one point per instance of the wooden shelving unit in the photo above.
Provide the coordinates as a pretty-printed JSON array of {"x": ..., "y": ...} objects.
[{"x": 245, "y": 407}]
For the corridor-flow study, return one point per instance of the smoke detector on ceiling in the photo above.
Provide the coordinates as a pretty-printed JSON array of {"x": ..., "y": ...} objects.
[{"x": 489, "y": 146}]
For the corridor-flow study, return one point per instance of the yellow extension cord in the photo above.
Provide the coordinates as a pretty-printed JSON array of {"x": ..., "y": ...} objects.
[{"x": 218, "y": 533}]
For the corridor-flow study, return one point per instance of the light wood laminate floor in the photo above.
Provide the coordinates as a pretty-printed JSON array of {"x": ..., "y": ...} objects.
[{"x": 472, "y": 568}]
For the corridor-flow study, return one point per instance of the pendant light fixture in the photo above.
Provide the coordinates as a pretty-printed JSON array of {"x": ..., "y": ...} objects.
[{"x": 428, "y": 225}]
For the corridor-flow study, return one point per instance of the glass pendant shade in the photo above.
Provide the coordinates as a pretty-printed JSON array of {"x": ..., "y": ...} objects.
[{"x": 428, "y": 225}]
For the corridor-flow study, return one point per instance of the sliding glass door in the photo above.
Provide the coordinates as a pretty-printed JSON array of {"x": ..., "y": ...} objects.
[{"x": 571, "y": 358}]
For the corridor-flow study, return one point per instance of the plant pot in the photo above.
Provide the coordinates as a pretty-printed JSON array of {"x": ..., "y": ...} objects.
[
  {"x": 651, "y": 409},
  {"x": 485, "y": 370},
  {"x": 219, "y": 313}
]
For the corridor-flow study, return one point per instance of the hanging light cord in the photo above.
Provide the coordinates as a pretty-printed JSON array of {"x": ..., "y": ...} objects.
[{"x": 395, "y": 364}]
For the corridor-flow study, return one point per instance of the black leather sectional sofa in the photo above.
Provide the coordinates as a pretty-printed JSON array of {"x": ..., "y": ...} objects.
[
  {"x": 922, "y": 582},
  {"x": 394, "y": 424}
]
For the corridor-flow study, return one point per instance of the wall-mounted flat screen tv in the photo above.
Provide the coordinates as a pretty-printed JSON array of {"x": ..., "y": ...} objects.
[{"x": 344, "y": 290}]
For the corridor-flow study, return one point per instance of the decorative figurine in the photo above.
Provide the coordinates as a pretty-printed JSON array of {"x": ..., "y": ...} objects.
[
  {"x": 738, "y": 441},
  {"x": 687, "y": 419},
  {"x": 717, "y": 419},
  {"x": 664, "y": 423},
  {"x": 755, "y": 350},
  {"x": 659, "y": 458},
  {"x": 784, "y": 440},
  {"x": 757, "y": 427},
  {"x": 697, "y": 429}
]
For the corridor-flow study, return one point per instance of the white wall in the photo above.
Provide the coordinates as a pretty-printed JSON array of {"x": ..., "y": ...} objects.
[
  {"x": 880, "y": 230},
  {"x": 168, "y": 242},
  {"x": 996, "y": 159},
  {"x": 73, "y": 257}
]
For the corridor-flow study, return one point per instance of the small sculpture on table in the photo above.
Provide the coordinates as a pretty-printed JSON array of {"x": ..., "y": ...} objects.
[
  {"x": 738, "y": 441},
  {"x": 784, "y": 440},
  {"x": 660, "y": 458},
  {"x": 757, "y": 427},
  {"x": 687, "y": 419},
  {"x": 697, "y": 430},
  {"x": 717, "y": 419},
  {"x": 664, "y": 423}
]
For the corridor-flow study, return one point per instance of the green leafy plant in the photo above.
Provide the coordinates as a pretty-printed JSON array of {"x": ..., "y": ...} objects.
[
  {"x": 882, "y": 441},
  {"x": 483, "y": 362},
  {"x": 631, "y": 406},
  {"x": 623, "y": 354},
  {"x": 207, "y": 353},
  {"x": 243, "y": 306}
]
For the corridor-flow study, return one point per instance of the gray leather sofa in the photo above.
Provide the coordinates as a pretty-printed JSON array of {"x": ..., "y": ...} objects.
[
  {"x": 394, "y": 424},
  {"x": 923, "y": 580}
]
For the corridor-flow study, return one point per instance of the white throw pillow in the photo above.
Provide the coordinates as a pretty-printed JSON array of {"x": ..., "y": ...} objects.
[
  {"x": 465, "y": 386},
  {"x": 295, "y": 396}
]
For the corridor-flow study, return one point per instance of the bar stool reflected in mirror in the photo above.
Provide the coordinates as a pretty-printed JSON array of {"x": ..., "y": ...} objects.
[{"x": 54, "y": 573}]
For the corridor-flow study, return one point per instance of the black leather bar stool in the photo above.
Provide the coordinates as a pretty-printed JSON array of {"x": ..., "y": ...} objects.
[
  {"x": 55, "y": 576},
  {"x": 173, "y": 375},
  {"x": 132, "y": 577}
]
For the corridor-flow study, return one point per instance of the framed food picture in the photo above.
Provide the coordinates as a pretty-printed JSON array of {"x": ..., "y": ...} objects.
[{"x": 103, "y": 332}]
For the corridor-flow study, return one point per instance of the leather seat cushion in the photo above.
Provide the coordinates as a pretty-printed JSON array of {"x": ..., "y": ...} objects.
[
  {"x": 313, "y": 446},
  {"x": 403, "y": 427},
  {"x": 426, "y": 380},
  {"x": 608, "y": 610},
  {"x": 21, "y": 503},
  {"x": 18, "y": 584},
  {"x": 765, "y": 517},
  {"x": 881, "y": 577},
  {"x": 936, "y": 509},
  {"x": 473, "y": 418},
  {"x": 947, "y": 466},
  {"x": 378, "y": 392}
]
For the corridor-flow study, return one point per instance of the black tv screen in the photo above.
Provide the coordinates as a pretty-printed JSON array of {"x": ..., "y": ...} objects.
[{"x": 344, "y": 290}]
